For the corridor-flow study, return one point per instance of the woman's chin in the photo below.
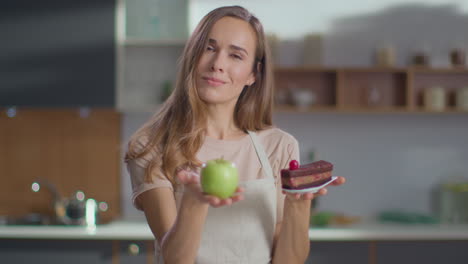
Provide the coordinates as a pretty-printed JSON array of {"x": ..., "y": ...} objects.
[{"x": 209, "y": 97}]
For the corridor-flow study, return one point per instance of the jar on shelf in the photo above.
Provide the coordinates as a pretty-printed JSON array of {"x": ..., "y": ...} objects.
[
  {"x": 385, "y": 56},
  {"x": 461, "y": 99},
  {"x": 434, "y": 98},
  {"x": 458, "y": 57},
  {"x": 420, "y": 58}
]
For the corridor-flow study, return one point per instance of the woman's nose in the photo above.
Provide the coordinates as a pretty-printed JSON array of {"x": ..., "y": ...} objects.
[{"x": 217, "y": 63}]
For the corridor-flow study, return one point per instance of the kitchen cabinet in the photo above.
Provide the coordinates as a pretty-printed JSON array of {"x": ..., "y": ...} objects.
[
  {"x": 150, "y": 38},
  {"x": 76, "y": 251},
  {"x": 131, "y": 251},
  {"x": 57, "y": 53},
  {"x": 387, "y": 252},
  {"x": 428, "y": 252},
  {"x": 141, "y": 251},
  {"x": 56, "y": 251},
  {"x": 338, "y": 252},
  {"x": 372, "y": 89}
]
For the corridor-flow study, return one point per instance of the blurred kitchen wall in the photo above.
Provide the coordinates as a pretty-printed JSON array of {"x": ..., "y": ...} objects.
[
  {"x": 392, "y": 161},
  {"x": 293, "y": 19}
]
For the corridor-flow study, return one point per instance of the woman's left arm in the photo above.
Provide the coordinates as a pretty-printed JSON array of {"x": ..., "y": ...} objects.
[{"x": 292, "y": 244}]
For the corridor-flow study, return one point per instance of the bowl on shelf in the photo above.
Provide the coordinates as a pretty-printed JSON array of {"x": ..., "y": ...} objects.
[{"x": 303, "y": 98}]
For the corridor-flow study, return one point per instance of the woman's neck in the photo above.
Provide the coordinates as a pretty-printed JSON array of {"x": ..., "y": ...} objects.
[{"x": 221, "y": 125}]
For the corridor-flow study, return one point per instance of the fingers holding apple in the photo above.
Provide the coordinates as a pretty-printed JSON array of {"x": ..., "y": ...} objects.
[
  {"x": 188, "y": 177},
  {"x": 191, "y": 182},
  {"x": 216, "y": 202}
]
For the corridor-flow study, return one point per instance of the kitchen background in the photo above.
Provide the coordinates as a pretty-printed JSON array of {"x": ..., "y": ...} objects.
[
  {"x": 101, "y": 68},
  {"x": 395, "y": 159}
]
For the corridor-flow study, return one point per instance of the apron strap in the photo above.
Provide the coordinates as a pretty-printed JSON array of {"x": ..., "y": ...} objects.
[{"x": 261, "y": 154}]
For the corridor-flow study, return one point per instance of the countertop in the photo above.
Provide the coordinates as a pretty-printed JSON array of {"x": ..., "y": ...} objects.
[
  {"x": 117, "y": 230},
  {"x": 123, "y": 230},
  {"x": 390, "y": 232}
]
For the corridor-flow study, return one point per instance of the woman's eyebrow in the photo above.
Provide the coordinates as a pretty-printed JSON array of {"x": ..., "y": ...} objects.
[
  {"x": 232, "y": 46},
  {"x": 238, "y": 49}
]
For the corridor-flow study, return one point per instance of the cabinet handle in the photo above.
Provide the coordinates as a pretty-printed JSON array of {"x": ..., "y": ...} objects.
[{"x": 133, "y": 249}]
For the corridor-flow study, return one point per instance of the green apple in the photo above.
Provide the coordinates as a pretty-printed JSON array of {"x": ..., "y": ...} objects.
[{"x": 219, "y": 178}]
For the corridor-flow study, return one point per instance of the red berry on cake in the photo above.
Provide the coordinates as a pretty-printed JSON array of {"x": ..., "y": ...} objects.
[{"x": 293, "y": 165}]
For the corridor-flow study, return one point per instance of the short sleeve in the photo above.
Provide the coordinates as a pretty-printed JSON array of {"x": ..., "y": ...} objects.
[
  {"x": 137, "y": 168},
  {"x": 290, "y": 152}
]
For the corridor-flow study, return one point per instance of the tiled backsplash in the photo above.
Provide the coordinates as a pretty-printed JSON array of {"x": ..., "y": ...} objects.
[{"x": 391, "y": 161}]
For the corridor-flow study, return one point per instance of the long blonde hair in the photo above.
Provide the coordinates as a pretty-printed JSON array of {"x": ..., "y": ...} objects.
[{"x": 176, "y": 132}]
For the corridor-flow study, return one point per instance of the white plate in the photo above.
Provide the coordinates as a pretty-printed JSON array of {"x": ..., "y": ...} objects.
[{"x": 312, "y": 189}]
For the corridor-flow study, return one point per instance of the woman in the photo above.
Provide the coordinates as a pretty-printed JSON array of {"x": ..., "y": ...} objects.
[{"x": 221, "y": 107}]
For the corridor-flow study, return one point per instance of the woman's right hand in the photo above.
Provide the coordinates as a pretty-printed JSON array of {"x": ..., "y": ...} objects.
[{"x": 191, "y": 182}]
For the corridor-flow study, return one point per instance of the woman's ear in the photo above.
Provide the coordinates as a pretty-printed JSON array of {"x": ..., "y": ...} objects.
[
  {"x": 259, "y": 66},
  {"x": 251, "y": 79}
]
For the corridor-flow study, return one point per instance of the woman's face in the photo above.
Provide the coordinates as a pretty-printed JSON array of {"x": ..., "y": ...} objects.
[{"x": 226, "y": 64}]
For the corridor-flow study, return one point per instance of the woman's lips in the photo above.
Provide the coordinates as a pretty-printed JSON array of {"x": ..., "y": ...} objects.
[{"x": 213, "y": 81}]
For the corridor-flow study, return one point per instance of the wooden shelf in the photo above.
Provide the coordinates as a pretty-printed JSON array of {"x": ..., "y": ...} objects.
[
  {"x": 448, "y": 110},
  {"x": 373, "y": 70},
  {"x": 292, "y": 108},
  {"x": 304, "y": 69},
  {"x": 367, "y": 89},
  {"x": 370, "y": 110},
  {"x": 453, "y": 70},
  {"x": 334, "y": 109}
]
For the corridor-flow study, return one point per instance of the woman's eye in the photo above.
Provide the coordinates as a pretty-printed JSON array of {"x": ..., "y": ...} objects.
[
  {"x": 238, "y": 57},
  {"x": 209, "y": 48}
]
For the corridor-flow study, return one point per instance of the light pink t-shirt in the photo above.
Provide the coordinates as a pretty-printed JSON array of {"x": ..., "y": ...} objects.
[{"x": 279, "y": 146}]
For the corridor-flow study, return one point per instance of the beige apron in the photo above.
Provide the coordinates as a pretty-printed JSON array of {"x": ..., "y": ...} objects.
[{"x": 243, "y": 232}]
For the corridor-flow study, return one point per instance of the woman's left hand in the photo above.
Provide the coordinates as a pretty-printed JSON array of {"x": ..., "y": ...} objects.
[{"x": 309, "y": 196}]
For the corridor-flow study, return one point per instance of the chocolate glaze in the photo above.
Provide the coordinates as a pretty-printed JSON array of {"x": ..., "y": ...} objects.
[{"x": 308, "y": 169}]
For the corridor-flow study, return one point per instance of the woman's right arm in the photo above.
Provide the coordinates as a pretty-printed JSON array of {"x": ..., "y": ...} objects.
[{"x": 179, "y": 232}]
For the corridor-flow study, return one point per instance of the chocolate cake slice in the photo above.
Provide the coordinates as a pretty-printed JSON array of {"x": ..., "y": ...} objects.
[{"x": 307, "y": 175}]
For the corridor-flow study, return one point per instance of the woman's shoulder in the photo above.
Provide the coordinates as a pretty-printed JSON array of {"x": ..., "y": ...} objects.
[
  {"x": 280, "y": 146},
  {"x": 276, "y": 135}
]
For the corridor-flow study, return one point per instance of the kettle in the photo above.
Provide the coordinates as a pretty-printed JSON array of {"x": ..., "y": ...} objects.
[{"x": 76, "y": 210}]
